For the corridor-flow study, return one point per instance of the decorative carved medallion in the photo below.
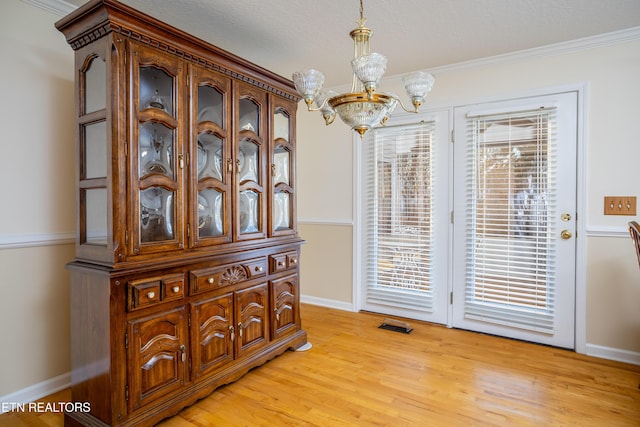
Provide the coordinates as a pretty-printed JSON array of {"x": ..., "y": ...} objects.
[{"x": 234, "y": 275}]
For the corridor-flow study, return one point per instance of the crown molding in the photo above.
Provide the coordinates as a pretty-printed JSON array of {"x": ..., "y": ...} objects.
[
  {"x": 57, "y": 7},
  {"x": 601, "y": 40}
]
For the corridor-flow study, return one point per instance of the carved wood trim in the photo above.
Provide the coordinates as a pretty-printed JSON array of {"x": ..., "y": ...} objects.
[
  {"x": 233, "y": 275},
  {"x": 109, "y": 27}
]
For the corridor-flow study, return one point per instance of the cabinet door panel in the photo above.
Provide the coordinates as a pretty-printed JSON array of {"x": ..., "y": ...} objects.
[
  {"x": 212, "y": 334},
  {"x": 284, "y": 294},
  {"x": 252, "y": 318},
  {"x": 250, "y": 163},
  {"x": 282, "y": 218},
  {"x": 211, "y": 154},
  {"x": 157, "y": 151},
  {"x": 157, "y": 352}
]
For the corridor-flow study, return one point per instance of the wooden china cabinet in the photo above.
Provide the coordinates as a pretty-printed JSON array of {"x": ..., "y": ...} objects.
[{"x": 186, "y": 268}]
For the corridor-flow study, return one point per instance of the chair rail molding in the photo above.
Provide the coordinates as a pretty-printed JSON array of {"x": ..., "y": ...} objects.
[{"x": 15, "y": 241}]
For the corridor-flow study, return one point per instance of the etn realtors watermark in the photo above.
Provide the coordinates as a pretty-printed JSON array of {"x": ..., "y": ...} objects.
[{"x": 45, "y": 407}]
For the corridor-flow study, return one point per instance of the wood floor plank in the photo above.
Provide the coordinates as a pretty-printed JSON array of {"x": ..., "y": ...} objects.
[{"x": 359, "y": 375}]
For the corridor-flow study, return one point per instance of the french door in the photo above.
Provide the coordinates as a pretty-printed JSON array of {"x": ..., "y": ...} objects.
[
  {"x": 480, "y": 236},
  {"x": 405, "y": 217},
  {"x": 515, "y": 219}
]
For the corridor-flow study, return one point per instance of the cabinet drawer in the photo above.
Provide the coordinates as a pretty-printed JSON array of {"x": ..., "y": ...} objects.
[
  {"x": 283, "y": 261},
  {"x": 173, "y": 288},
  {"x": 153, "y": 290},
  {"x": 208, "y": 279},
  {"x": 205, "y": 280},
  {"x": 257, "y": 267}
]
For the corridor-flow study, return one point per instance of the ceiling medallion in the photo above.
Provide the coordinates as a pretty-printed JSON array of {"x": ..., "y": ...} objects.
[{"x": 363, "y": 107}]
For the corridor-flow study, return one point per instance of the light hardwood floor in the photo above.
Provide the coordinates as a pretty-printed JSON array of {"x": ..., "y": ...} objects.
[{"x": 359, "y": 375}]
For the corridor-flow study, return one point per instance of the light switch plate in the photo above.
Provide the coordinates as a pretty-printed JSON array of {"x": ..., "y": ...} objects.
[{"x": 620, "y": 205}]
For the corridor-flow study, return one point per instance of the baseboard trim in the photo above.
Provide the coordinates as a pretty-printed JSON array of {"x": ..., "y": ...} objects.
[
  {"x": 324, "y": 302},
  {"x": 35, "y": 392},
  {"x": 616, "y": 354}
]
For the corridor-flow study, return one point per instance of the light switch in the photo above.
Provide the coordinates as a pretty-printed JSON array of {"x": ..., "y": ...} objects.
[{"x": 620, "y": 205}]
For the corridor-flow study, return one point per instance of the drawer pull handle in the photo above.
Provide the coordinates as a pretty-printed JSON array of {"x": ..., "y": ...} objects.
[
  {"x": 280, "y": 263},
  {"x": 259, "y": 269},
  {"x": 294, "y": 261},
  {"x": 151, "y": 294},
  {"x": 175, "y": 289},
  {"x": 210, "y": 280}
]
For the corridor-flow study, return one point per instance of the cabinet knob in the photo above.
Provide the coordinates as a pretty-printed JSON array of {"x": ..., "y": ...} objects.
[
  {"x": 259, "y": 269},
  {"x": 210, "y": 280},
  {"x": 151, "y": 294},
  {"x": 175, "y": 289},
  {"x": 294, "y": 261}
]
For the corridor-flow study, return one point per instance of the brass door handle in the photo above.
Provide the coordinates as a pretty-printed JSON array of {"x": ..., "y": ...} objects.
[{"x": 565, "y": 234}]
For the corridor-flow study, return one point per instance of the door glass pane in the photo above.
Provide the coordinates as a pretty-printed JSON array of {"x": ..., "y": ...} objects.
[
  {"x": 248, "y": 161},
  {"x": 281, "y": 211},
  {"x": 209, "y": 105},
  {"x": 156, "y": 89},
  {"x": 281, "y": 161},
  {"x": 95, "y": 151},
  {"x": 281, "y": 126},
  {"x": 400, "y": 233},
  {"x": 155, "y": 150},
  {"x": 95, "y": 89},
  {"x": 249, "y": 209},
  {"x": 156, "y": 215},
  {"x": 210, "y": 213},
  {"x": 209, "y": 156},
  {"x": 249, "y": 114},
  {"x": 512, "y": 278},
  {"x": 95, "y": 220}
]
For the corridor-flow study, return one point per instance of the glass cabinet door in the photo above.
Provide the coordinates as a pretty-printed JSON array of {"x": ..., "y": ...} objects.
[
  {"x": 211, "y": 154},
  {"x": 157, "y": 151},
  {"x": 94, "y": 152},
  {"x": 282, "y": 171},
  {"x": 250, "y": 171}
]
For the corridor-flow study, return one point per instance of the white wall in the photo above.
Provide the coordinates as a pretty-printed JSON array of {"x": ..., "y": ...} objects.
[{"x": 609, "y": 277}]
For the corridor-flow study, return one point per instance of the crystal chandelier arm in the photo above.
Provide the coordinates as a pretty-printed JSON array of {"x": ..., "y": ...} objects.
[{"x": 414, "y": 110}]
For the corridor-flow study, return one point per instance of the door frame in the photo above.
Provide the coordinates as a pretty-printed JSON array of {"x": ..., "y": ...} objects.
[{"x": 581, "y": 89}]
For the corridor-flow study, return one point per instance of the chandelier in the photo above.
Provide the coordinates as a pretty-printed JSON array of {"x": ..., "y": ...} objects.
[{"x": 363, "y": 107}]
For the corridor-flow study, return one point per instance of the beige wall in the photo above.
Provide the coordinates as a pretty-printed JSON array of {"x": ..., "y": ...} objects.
[
  {"x": 609, "y": 276},
  {"x": 37, "y": 197},
  {"x": 37, "y": 163}
]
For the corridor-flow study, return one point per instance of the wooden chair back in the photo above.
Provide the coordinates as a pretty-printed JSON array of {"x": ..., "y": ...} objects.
[{"x": 634, "y": 230}]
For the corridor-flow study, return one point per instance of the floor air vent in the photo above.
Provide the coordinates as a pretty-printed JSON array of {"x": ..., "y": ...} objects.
[{"x": 396, "y": 326}]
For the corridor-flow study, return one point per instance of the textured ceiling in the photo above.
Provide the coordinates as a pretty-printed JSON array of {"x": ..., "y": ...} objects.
[{"x": 290, "y": 35}]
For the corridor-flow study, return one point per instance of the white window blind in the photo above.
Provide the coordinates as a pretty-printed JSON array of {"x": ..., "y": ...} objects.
[
  {"x": 510, "y": 180},
  {"x": 398, "y": 210}
]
